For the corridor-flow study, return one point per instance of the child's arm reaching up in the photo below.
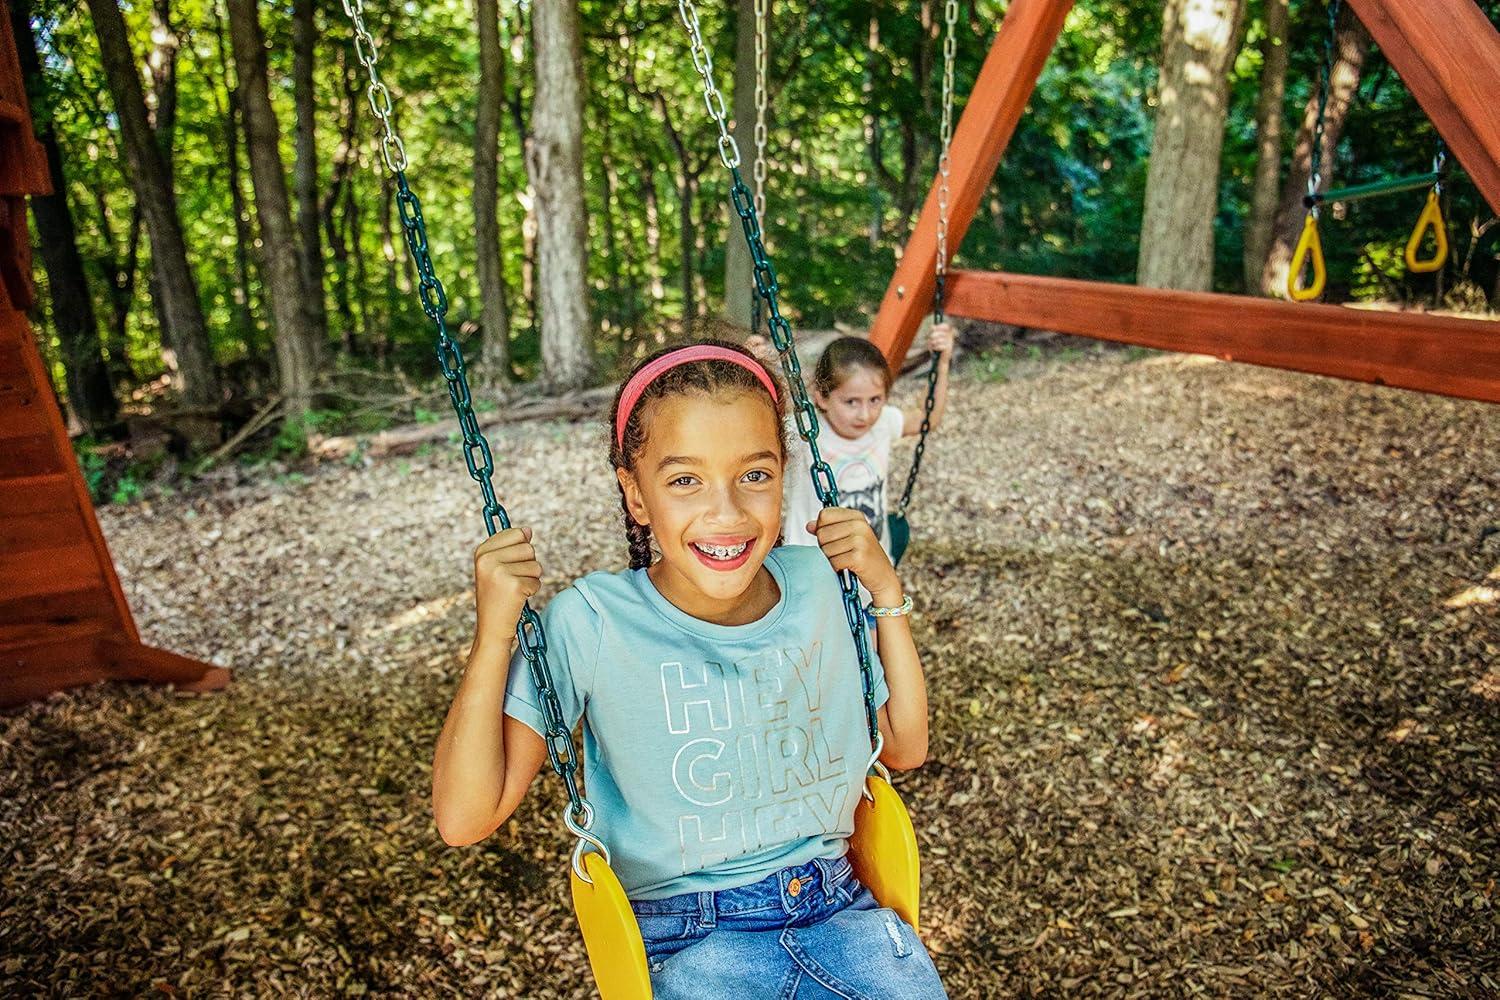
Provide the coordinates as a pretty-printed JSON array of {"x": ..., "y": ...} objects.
[
  {"x": 849, "y": 543},
  {"x": 939, "y": 339},
  {"x": 486, "y": 760}
]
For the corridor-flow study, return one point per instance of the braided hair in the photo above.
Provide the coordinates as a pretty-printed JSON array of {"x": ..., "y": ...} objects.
[
  {"x": 706, "y": 378},
  {"x": 844, "y": 355}
]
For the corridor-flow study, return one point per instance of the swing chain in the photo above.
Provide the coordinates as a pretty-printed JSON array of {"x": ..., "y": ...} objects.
[
  {"x": 768, "y": 289},
  {"x": 368, "y": 53},
  {"x": 477, "y": 455},
  {"x": 1325, "y": 83},
  {"x": 713, "y": 98},
  {"x": 950, "y": 51},
  {"x": 758, "y": 168}
]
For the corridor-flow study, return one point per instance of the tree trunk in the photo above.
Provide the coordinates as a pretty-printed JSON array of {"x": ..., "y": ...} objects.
[
  {"x": 1266, "y": 190},
  {"x": 161, "y": 115},
  {"x": 739, "y": 271},
  {"x": 494, "y": 316},
  {"x": 182, "y": 313},
  {"x": 1351, "y": 47},
  {"x": 163, "y": 64},
  {"x": 557, "y": 172},
  {"x": 618, "y": 257},
  {"x": 244, "y": 238},
  {"x": 1199, "y": 40},
  {"x": 305, "y": 165},
  {"x": 653, "y": 231},
  {"x": 296, "y": 348},
  {"x": 689, "y": 244},
  {"x": 90, "y": 389},
  {"x": 872, "y": 135},
  {"x": 120, "y": 271},
  {"x": 337, "y": 224}
]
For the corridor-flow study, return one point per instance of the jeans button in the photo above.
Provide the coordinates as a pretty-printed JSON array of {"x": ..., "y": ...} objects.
[{"x": 794, "y": 888}]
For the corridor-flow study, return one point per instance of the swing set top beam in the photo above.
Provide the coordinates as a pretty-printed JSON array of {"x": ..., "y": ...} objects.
[{"x": 1446, "y": 51}]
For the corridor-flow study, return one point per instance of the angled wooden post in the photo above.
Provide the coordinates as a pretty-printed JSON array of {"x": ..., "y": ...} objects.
[
  {"x": 1448, "y": 54},
  {"x": 1021, "y": 47}
]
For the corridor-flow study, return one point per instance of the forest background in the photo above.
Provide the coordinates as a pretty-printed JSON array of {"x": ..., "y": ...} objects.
[{"x": 562, "y": 155}]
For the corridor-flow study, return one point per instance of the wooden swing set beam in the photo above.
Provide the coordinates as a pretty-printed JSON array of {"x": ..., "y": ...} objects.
[
  {"x": 1438, "y": 354},
  {"x": 1448, "y": 54}
]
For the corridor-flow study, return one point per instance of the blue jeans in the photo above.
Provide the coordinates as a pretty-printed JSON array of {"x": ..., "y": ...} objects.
[{"x": 812, "y": 932}]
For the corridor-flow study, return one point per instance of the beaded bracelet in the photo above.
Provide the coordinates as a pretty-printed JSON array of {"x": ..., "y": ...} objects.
[{"x": 903, "y": 609}]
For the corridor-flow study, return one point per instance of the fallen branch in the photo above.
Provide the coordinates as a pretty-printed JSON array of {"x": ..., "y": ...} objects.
[
  {"x": 399, "y": 440},
  {"x": 262, "y": 417}
]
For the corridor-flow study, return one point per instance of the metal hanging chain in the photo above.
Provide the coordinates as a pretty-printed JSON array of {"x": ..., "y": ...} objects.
[
  {"x": 950, "y": 51},
  {"x": 767, "y": 287},
  {"x": 1325, "y": 84},
  {"x": 477, "y": 456},
  {"x": 758, "y": 167}
]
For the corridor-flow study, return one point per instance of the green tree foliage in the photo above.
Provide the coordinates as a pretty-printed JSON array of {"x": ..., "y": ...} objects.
[{"x": 1066, "y": 200}]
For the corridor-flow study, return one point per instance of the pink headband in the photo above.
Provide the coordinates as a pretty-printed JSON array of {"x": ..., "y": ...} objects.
[{"x": 670, "y": 360}]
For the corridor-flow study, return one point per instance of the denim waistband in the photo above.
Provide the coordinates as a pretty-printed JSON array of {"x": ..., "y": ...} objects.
[{"x": 788, "y": 889}]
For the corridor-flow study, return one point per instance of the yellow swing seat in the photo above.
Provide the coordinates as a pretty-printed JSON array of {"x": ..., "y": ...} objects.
[{"x": 883, "y": 852}]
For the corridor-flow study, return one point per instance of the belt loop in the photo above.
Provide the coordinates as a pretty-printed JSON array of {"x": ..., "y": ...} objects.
[
  {"x": 707, "y": 912},
  {"x": 825, "y": 873}
]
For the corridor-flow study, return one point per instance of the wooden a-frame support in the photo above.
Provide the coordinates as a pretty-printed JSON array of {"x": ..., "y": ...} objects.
[
  {"x": 1448, "y": 54},
  {"x": 63, "y": 616}
]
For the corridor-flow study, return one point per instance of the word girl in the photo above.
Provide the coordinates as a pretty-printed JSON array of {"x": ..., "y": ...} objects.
[{"x": 725, "y": 744}]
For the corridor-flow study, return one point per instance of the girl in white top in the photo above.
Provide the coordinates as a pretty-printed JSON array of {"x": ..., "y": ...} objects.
[{"x": 850, "y": 387}]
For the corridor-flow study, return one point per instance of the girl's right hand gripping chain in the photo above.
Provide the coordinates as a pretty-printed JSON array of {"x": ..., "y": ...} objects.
[{"x": 506, "y": 575}]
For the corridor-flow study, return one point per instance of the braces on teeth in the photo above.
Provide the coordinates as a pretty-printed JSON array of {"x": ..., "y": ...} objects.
[{"x": 721, "y": 551}]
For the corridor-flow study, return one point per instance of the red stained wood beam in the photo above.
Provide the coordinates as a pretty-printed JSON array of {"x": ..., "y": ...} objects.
[
  {"x": 1439, "y": 354},
  {"x": 1448, "y": 55},
  {"x": 66, "y": 657},
  {"x": 1005, "y": 83}
]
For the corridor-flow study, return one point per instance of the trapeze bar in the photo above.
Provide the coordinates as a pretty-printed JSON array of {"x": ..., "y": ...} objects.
[{"x": 1357, "y": 191}]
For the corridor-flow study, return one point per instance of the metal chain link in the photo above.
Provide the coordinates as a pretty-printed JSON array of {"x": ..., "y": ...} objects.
[
  {"x": 1325, "y": 84},
  {"x": 477, "y": 454},
  {"x": 950, "y": 51},
  {"x": 758, "y": 168},
  {"x": 767, "y": 287}
]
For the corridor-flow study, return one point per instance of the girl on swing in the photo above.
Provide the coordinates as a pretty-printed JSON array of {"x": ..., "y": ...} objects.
[
  {"x": 851, "y": 387},
  {"x": 725, "y": 742}
]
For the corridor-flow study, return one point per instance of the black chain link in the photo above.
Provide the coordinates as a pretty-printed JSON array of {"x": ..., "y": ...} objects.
[
  {"x": 768, "y": 289},
  {"x": 477, "y": 455}
]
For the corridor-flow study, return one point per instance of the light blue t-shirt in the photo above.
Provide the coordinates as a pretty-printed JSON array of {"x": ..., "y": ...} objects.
[{"x": 712, "y": 754}]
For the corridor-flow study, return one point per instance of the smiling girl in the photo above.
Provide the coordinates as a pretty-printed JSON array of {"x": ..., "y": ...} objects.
[
  {"x": 724, "y": 740},
  {"x": 851, "y": 388}
]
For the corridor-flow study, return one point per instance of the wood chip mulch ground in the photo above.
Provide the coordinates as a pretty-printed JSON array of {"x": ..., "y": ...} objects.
[{"x": 1214, "y": 656}]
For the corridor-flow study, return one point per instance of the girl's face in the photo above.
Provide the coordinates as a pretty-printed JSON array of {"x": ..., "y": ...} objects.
[
  {"x": 855, "y": 405},
  {"x": 708, "y": 484}
]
